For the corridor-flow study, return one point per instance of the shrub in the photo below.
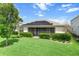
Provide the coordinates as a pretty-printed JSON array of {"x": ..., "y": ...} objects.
[
  {"x": 55, "y": 36},
  {"x": 10, "y": 42},
  {"x": 61, "y": 36},
  {"x": 15, "y": 36},
  {"x": 15, "y": 33},
  {"x": 26, "y": 34},
  {"x": 44, "y": 35}
]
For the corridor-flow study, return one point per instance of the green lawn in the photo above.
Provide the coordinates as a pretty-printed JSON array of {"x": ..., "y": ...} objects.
[{"x": 39, "y": 47}]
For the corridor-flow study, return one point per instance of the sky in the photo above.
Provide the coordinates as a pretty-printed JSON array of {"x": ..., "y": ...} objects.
[{"x": 59, "y": 12}]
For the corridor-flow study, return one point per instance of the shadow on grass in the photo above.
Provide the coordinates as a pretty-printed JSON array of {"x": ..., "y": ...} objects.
[{"x": 10, "y": 42}]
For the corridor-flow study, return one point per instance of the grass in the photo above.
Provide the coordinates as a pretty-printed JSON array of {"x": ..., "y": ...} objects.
[{"x": 39, "y": 47}]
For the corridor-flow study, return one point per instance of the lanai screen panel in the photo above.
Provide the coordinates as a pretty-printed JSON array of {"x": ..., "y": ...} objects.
[{"x": 36, "y": 31}]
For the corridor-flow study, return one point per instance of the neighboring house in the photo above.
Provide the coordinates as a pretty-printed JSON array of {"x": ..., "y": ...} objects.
[
  {"x": 75, "y": 25},
  {"x": 43, "y": 27}
]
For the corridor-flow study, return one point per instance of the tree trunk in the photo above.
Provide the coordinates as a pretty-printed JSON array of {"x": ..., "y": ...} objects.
[
  {"x": 6, "y": 41},
  {"x": 18, "y": 30}
]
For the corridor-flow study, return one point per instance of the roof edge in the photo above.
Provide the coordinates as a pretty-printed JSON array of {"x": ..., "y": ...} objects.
[{"x": 75, "y": 17}]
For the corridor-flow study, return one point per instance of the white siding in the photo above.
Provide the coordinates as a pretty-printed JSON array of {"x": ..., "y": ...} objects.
[
  {"x": 75, "y": 25},
  {"x": 59, "y": 29},
  {"x": 25, "y": 29}
]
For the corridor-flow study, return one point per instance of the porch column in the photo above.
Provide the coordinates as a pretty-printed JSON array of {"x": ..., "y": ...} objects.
[
  {"x": 34, "y": 31},
  {"x": 49, "y": 30}
]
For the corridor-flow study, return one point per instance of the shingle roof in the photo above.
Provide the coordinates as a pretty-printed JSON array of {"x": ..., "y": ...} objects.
[
  {"x": 39, "y": 23},
  {"x": 43, "y": 22}
]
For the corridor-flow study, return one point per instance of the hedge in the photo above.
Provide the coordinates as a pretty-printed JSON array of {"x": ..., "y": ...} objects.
[
  {"x": 26, "y": 34},
  {"x": 15, "y": 33},
  {"x": 15, "y": 36},
  {"x": 44, "y": 35},
  {"x": 61, "y": 37}
]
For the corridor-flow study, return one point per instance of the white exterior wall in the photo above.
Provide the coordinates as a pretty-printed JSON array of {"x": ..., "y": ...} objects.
[
  {"x": 25, "y": 29},
  {"x": 59, "y": 29},
  {"x": 75, "y": 26}
]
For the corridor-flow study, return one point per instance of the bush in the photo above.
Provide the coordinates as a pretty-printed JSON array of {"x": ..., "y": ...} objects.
[
  {"x": 15, "y": 33},
  {"x": 61, "y": 36},
  {"x": 55, "y": 36},
  {"x": 44, "y": 35},
  {"x": 26, "y": 34},
  {"x": 15, "y": 36},
  {"x": 10, "y": 42}
]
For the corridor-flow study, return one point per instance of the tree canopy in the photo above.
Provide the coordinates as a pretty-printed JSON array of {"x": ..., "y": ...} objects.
[{"x": 9, "y": 17}]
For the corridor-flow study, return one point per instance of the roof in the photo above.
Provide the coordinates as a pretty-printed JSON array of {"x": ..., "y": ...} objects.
[
  {"x": 39, "y": 23},
  {"x": 43, "y": 22},
  {"x": 75, "y": 17}
]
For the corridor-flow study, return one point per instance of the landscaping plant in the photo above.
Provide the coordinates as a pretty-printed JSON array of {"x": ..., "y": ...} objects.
[
  {"x": 8, "y": 20},
  {"x": 44, "y": 35},
  {"x": 26, "y": 34},
  {"x": 61, "y": 37}
]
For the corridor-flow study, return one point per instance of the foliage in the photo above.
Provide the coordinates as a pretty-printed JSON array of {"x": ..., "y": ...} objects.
[
  {"x": 39, "y": 47},
  {"x": 8, "y": 20},
  {"x": 26, "y": 34},
  {"x": 61, "y": 37},
  {"x": 44, "y": 35},
  {"x": 15, "y": 36},
  {"x": 11, "y": 41},
  {"x": 15, "y": 33}
]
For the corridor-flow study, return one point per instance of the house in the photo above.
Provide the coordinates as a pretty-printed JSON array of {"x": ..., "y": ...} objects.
[
  {"x": 75, "y": 25},
  {"x": 43, "y": 26}
]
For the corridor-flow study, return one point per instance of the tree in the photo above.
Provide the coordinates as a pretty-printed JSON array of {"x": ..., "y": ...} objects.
[
  {"x": 8, "y": 20},
  {"x": 18, "y": 26}
]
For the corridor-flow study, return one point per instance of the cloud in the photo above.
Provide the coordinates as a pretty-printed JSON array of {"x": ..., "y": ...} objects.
[
  {"x": 60, "y": 9},
  {"x": 34, "y": 6},
  {"x": 42, "y": 6},
  {"x": 63, "y": 7},
  {"x": 49, "y": 4},
  {"x": 61, "y": 21},
  {"x": 68, "y": 8},
  {"x": 72, "y": 10},
  {"x": 66, "y": 5},
  {"x": 40, "y": 14}
]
